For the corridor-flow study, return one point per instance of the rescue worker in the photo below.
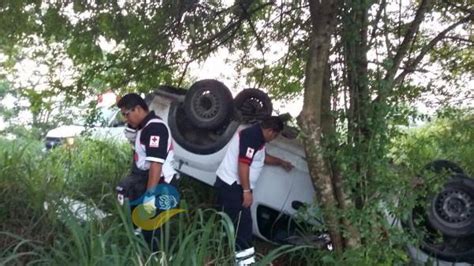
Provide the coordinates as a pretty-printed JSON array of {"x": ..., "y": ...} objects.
[
  {"x": 153, "y": 158},
  {"x": 237, "y": 176}
]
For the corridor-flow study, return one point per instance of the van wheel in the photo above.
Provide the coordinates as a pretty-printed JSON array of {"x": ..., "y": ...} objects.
[
  {"x": 253, "y": 103},
  {"x": 434, "y": 220},
  {"x": 208, "y": 104},
  {"x": 452, "y": 209},
  {"x": 198, "y": 140}
]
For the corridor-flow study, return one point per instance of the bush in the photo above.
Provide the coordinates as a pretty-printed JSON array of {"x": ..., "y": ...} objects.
[
  {"x": 450, "y": 137},
  {"x": 92, "y": 168}
]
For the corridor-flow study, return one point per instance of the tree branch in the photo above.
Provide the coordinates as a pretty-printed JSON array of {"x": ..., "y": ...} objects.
[
  {"x": 259, "y": 40},
  {"x": 405, "y": 45},
  {"x": 378, "y": 16},
  {"x": 385, "y": 33},
  {"x": 410, "y": 66},
  {"x": 230, "y": 27},
  {"x": 460, "y": 39},
  {"x": 183, "y": 74},
  {"x": 461, "y": 8}
]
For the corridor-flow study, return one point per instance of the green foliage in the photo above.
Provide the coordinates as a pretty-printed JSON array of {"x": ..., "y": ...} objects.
[
  {"x": 382, "y": 184},
  {"x": 91, "y": 168},
  {"x": 29, "y": 177},
  {"x": 149, "y": 44},
  {"x": 4, "y": 88},
  {"x": 24, "y": 186},
  {"x": 45, "y": 109},
  {"x": 450, "y": 136},
  {"x": 88, "y": 171}
]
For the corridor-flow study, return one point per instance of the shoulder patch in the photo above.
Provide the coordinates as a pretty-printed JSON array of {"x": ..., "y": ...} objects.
[
  {"x": 154, "y": 141},
  {"x": 249, "y": 153}
]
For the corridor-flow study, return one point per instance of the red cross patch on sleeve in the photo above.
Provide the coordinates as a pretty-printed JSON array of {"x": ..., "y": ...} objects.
[
  {"x": 250, "y": 152},
  {"x": 154, "y": 141}
]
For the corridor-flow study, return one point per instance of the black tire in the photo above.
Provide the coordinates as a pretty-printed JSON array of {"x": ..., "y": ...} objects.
[
  {"x": 208, "y": 104},
  {"x": 437, "y": 245},
  {"x": 198, "y": 140},
  {"x": 253, "y": 103},
  {"x": 432, "y": 240},
  {"x": 452, "y": 210}
]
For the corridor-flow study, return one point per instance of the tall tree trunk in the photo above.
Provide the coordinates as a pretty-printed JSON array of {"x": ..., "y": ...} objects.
[
  {"x": 330, "y": 142},
  {"x": 323, "y": 18},
  {"x": 355, "y": 26}
]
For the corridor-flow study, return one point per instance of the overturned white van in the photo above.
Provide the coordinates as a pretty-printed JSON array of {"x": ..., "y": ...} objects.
[{"x": 204, "y": 118}]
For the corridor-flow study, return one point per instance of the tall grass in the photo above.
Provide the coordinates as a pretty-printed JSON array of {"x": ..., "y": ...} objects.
[
  {"x": 30, "y": 177},
  {"x": 91, "y": 168},
  {"x": 24, "y": 186},
  {"x": 89, "y": 171}
]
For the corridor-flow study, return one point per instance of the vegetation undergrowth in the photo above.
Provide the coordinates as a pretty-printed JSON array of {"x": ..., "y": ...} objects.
[{"x": 38, "y": 227}]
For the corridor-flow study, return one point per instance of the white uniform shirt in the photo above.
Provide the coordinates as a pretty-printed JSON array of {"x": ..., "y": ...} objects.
[
  {"x": 248, "y": 146},
  {"x": 154, "y": 144}
]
